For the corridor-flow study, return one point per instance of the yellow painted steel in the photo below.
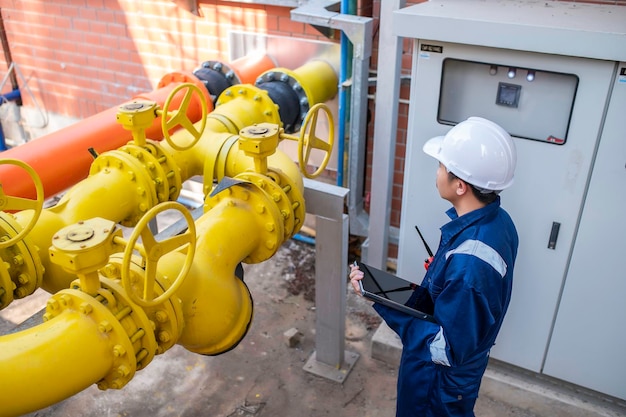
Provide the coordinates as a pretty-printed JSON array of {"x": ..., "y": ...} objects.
[
  {"x": 152, "y": 251},
  {"x": 83, "y": 248},
  {"x": 317, "y": 78},
  {"x": 21, "y": 269},
  {"x": 308, "y": 140},
  {"x": 53, "y": 361},
  {"x": 112, "y": 310},
  {"x": 17, "y": 203},
  {"x": 212, "y": 296},
  {"x": 178, "y": 117},
  {"x": 244, "y": 105}
]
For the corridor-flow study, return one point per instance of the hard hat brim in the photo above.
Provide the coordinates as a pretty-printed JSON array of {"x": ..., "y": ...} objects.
[{"x": 433, "y": 147}]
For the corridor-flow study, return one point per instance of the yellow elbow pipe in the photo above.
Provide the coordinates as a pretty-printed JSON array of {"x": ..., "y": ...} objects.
[
  {"x": 217, "y": 306},
  {"x": 52, "y": 362}
]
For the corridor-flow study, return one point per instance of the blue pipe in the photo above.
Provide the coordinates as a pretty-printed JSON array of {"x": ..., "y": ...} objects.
[
  {"x": 12, "y": 96},
  {"x": 3, "y": 144},
  {"x": 343, "y": 111},
  {"x": 341, "y": 136},
  {"x": 301, "y": 238}
]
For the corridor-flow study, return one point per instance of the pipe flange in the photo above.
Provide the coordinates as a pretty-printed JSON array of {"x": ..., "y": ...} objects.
[
  {"x": 166, "y": 319},
  {"x": 295, "y": 196},
  {"x": 265, "y": 211},
  {"x": 182, "y": 78},
  {"x": 254, "y": 102},
  {"x": 154, "y": 169},
  {"x": 278, "y": 196},
  {"x": 24, "y": 265},
  {"x": 170, "y": 167},
  {"x": 216, "y": 77},
  {"x": 6, "y": 285},
  {"x": 161, "y": 167},
  {"x": 221, "y": 68},
  {"x": 289, "y": 78},
  {"x": 124, "y": 364},
  {"x": 133, "y": 319},
  {"x": 143, "y": 168}
]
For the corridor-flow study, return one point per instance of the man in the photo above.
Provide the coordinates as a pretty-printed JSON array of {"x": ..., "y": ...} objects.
[{"x": 467, "y": 286}]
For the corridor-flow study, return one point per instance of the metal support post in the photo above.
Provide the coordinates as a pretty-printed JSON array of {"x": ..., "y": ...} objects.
[
  {"x": 359, "y": 31},
  {"x": 330, "y": 359},
  {"x": 385, "y": 133}
]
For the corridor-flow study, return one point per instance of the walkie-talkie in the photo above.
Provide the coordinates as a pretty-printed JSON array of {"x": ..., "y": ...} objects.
[{"x": 430, "y": 253}]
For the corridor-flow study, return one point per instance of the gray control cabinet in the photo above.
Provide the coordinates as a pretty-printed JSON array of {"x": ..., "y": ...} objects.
[
  {"x": 475, "y": 58},
  {"x": 589, "y": 338}
]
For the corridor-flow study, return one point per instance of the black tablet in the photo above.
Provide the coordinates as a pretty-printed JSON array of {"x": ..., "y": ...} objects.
[{"x": 389, "y": 290}]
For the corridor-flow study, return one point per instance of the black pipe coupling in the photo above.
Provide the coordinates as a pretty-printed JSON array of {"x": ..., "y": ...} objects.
[{"x": 286, "y": 92}]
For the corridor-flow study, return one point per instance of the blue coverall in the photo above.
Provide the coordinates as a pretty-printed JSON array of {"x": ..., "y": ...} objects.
[{"x": 467, "y": 288}]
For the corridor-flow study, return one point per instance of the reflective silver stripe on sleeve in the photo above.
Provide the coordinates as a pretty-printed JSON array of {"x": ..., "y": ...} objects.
[
  {"x": 438, "y": 349},
  {"x": 481, "y": 251}
]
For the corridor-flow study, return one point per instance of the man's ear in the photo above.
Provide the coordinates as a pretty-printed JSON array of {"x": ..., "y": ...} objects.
[{"x": 462, "y": 187}]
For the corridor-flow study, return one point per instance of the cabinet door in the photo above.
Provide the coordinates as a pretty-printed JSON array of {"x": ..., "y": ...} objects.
[{"x": 588, "y": 345}]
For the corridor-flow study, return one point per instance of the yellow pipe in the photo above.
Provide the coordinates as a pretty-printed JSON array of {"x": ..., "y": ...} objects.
[
  {"x": 217, "y": 155},
  {"x": 119, "y": 187},
  {"x": 319, "y": 80},
  {"x": 242, "y": 223},
  {"x": 115, "y": 193},
  {"x": 217, "y": 306},
  {"x": 84, "y": 341},
  {"x": 238, "y": 107},
  {"x": 51, "y": 362},
  {"x": 108, "y": 196},
  {"x": 111, "y": 194}
]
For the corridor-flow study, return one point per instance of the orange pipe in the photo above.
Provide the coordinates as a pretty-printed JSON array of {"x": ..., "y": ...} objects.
[
  {"x": 62, "y": 158},
  {"x": 248, "y": 68}
]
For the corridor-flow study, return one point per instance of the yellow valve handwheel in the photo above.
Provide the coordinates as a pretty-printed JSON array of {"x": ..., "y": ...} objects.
[
  {"x": 172, "y": 118},
  {"x": 19, "y": 203},
  {"x": 152, "y": 250},
  {"x": 307, "y": 140}
]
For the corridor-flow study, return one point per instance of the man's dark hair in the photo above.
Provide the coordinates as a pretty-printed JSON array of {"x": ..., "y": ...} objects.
[{"x": 482, "y": 196}]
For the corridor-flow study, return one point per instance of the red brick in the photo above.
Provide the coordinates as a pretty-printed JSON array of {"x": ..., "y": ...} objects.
[
  {"x": 70, "y": 11},
  {"x": 87, "y": 14},
  {"x": 106, "y": 16},
  {"x": 113, "y": 29},
  {"x": 81, "y": 25},
  {"x": 272, "y": 23},
  {"x": 289, "y": 26},
  {"x": 96, "y": 4},
  {"x": 98, "y": 27}
]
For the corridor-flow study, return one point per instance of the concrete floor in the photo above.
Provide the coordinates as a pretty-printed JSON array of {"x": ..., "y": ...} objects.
[{"x": 264, "y": 377}]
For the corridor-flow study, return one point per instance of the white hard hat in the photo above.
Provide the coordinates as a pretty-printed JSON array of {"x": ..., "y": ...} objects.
[{"x": 478, "y": 151}]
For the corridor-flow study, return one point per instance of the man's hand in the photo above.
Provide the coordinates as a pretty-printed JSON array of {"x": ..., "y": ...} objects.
[{"x": 355, "y": 276}]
